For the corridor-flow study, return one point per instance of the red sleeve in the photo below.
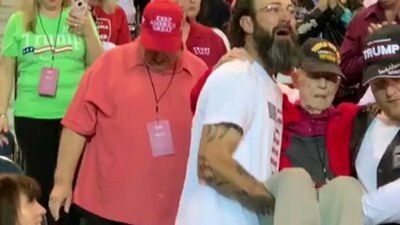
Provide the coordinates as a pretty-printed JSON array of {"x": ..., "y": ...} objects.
[
  {"x": 290, "y": 116},
  {"x": 124, "y": 35},
  {"x": 351, "y": 52},
  {"x": 90, "y": 102},
  {"x": 338, "y": 143},
  {"x": 221, "y": 47},
  {"x": 195, "y": 93}
]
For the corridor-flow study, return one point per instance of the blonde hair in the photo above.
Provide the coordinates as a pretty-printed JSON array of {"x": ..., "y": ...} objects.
[
  {"x": 29, "y": 9},
  {"x": 108, "y": 6}
]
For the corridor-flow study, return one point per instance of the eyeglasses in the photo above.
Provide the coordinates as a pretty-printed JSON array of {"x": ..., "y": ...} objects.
[{"x": 275, "y": 9}]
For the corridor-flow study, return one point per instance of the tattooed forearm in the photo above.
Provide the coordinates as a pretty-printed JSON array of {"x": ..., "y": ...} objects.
[
  {"x": 219, "y": 181},
  {"x": 227, "y": 186},
  {"x": 217, "y": 135},
  {"x": 217, "y": 167},
  {"x": 242, "y": 172},
  {"x": 206, "y": 173}
]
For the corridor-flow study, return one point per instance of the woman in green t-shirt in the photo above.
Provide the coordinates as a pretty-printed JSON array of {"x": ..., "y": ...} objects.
[{"x": 47, "y": 47}]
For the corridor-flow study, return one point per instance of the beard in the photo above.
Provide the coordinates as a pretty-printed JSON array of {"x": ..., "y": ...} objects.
[{"x": 279, "y": 56}]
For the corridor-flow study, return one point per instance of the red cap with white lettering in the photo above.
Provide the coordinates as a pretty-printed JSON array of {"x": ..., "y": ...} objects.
[{"x": 161, "y": 26}]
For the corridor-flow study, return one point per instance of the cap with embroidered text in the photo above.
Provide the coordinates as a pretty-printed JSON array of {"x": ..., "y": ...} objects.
[
  {"x": 161, "y": 26},
  {"x": 382, "y": 54},
  {"x": 320, "y": 56}
]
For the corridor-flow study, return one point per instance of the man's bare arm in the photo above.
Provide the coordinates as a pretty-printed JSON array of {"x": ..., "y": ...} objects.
[
  {"x": 71, "y": 148},
  {"x": 218, "y": 169}
]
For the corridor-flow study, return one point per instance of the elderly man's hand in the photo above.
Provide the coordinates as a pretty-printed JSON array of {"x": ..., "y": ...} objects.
[{"x": 235, "y": 53}]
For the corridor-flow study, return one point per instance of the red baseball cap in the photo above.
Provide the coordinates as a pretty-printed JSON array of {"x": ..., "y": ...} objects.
[{"x": 161, "y": 26}]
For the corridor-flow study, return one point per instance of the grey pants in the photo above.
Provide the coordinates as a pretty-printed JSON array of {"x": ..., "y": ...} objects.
[{"x": 297, "y": 202}]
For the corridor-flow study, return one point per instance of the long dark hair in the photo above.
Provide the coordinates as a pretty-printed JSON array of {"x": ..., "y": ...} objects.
[
  {"x": 11, "y": 187},
  {"x": 235, "y": 32},
  {"x": 214, "y": 13}
]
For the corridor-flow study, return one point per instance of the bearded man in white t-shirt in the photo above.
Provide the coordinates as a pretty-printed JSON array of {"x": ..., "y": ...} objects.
[{"x": 237, "y": 128}]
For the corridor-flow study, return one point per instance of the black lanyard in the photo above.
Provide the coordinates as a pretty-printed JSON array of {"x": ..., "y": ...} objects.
[
  {"x": 53, "y": 48},
  {"x": 156, "y": 98},
  {"x": 321, "y": 156}
]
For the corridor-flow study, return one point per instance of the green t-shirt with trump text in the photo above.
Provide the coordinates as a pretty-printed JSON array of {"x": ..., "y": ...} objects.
[{"x": 32, "y": 53}]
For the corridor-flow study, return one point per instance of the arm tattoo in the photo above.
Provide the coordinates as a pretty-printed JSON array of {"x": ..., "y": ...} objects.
[
  {"x": 220, "y": 182},
  {"x": 242, "y": 172},
  {"x": 219, "y": 131},
  {"x": 209, "y": 174},
  {"x": 206, "y": 173},
  {"x": 226, "y": 175},
  {"x": 226, "y": 186}
]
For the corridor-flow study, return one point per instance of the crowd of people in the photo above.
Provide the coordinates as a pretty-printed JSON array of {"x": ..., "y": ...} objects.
[{"x": 298, "y": 124}]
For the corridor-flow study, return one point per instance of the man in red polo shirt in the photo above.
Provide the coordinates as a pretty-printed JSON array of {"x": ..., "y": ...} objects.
[
  {"x": 201, "y": 40},
  {"x": 131, "y": 114}
]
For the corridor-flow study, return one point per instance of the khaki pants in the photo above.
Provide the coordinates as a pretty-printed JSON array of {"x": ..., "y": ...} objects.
[{"x": 297, "y": 202}]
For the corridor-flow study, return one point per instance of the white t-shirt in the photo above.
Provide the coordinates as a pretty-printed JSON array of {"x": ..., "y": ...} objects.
[
  {"x": 242, "y": 93},
  {"x": 380, "y": 205},
  {"x": 107, "y": 45},
  {"x": 129, "y": 8},
  {"x": 368, "y": 98}
]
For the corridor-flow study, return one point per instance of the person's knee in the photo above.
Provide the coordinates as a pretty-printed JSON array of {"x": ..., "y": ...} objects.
[
  {"x": 346, "y": 183},
  {"x": 346, "y": 186},
  {"x": 341, "y": 192},
  {"x": 295, "y": 183},
  {"x": 295, "y": 176}
]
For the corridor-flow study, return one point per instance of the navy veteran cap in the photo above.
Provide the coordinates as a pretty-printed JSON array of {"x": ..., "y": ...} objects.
[
  {"x": 382, "y": 54},
  {"x": 320, "y": 56}
]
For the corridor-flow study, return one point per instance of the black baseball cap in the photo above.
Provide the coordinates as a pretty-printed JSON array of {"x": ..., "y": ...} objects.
[
  {"x": 382, "y": 54},
  {"x": 320, "y": 56}
]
